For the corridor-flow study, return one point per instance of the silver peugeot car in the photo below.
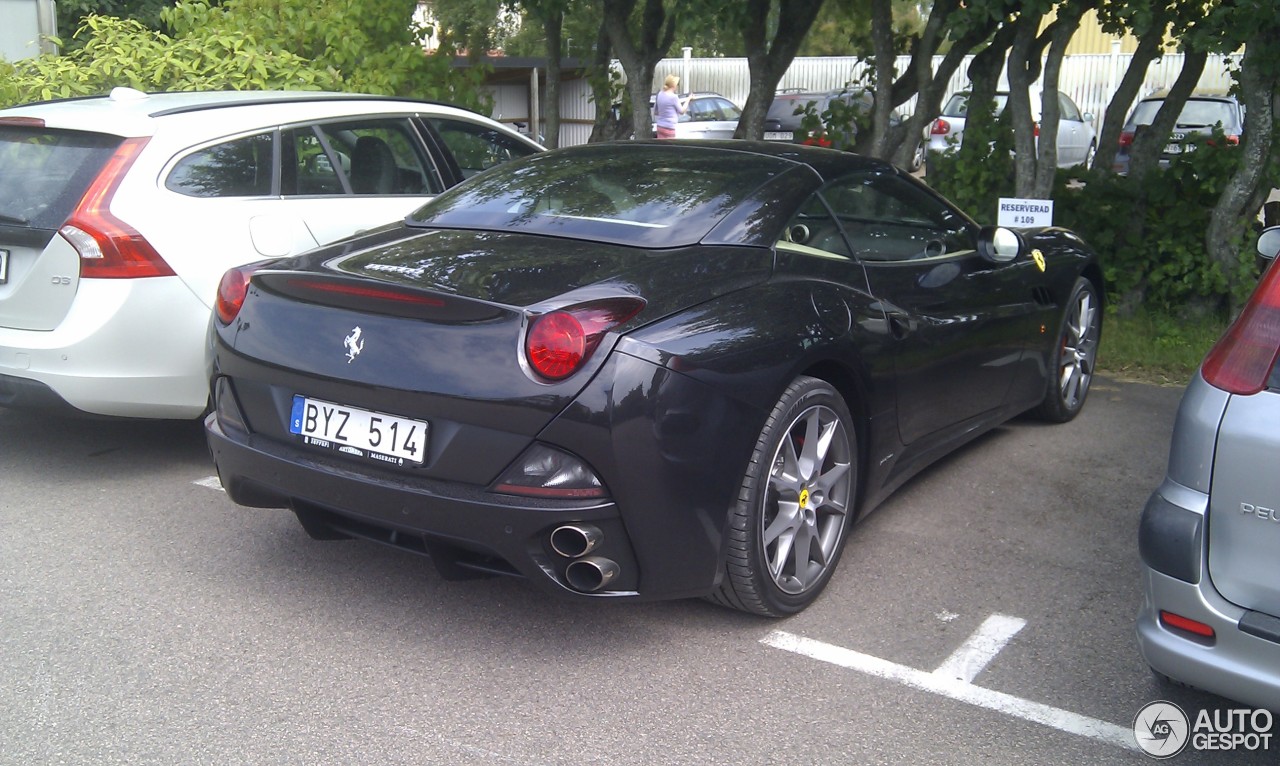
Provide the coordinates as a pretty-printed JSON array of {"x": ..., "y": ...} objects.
[{"x": 1210, "y": 534}]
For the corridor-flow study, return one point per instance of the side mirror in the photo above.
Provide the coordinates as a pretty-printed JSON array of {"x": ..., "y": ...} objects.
[
  {"x": 1000, "y": 245},
  {"x": 1269, "y": 243}
]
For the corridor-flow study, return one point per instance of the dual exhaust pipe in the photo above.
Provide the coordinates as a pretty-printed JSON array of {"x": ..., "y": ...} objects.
[{"x": 585, "y": 573}]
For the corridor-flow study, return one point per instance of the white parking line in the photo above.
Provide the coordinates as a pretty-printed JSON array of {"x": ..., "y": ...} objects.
[
  {"x": 981, "y": 648},
  {"x": 952, "y": 688},
  {"x": 211, "y": 482}
]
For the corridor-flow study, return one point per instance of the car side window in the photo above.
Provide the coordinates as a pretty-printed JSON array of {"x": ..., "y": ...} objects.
[
  {"x": 1068, "y": 109},
  {"x": 381, "y": 156},
  {"x": 729, "y": 110},
  {"x": 812, "y": 231},
  {"x": 888, "y": 218},
  {"x": 477, "y": 147},
  {"x": 242, "y": 167},
  {"x": 308, "y": 167},
  {"x": 704, "y": 110}
]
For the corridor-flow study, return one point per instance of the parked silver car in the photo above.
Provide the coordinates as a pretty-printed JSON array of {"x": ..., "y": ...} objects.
[
  {"x": 709, "y": 115},
  {"x": 1077, "y": 139},
  {"x": 1210, "y": 534}
]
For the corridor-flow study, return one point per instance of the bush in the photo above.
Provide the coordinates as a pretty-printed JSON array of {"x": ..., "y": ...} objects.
[
  {"x": 1151, "y": 237},
  {"x": 338, "y": 45}
]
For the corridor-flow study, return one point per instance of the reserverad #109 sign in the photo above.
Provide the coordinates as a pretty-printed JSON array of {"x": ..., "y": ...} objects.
[{"x": 1025, "y": 213}]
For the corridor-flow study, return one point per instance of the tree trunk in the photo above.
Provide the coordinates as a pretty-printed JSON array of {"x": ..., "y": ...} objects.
[
  {"x": 1060, "y": 33},
  {"x": 1244, "y": 194},
  {"x": 923, "y": 82},
  {"x": 1118, "y": 109},
  {"x": 1021, "y": 76},
  {"x": 882, "y": 37},
  {"x": 611, "y": 123},
  {"x": 767, "y": 61},
  {"x": 554, "y": 25},
  {"x": 639, "y": 57},
  {"x": 1145, "y": 153}
]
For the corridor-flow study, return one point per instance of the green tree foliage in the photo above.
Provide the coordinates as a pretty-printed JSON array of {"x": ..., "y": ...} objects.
[
  {"x": 843, "y": 28},
  {"x": 72, "y": 13},
  {"x": 347, "y": 45},
  {"x": 1158, "y": 259}
]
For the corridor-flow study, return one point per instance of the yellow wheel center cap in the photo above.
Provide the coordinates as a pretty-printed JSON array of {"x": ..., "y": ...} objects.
[{"x": 804, "y": 498}]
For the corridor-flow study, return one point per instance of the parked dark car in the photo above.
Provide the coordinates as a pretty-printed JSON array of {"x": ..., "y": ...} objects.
[
  {"x": 849, "y": 106},
  {"x": 1210, "y": 531},
  {"x": 1195, "y": 124},
  {"x": 646, "y": 369}
]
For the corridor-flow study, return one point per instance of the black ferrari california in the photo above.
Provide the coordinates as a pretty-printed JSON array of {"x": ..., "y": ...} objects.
[{"x": 643, "y": 369}]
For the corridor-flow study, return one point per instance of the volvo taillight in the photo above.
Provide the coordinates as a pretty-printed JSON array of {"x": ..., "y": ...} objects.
[
  {"x": 559, "y": 342},
  {"x": 1241, "y": 361},
  {"x": 109, "y": 248}
]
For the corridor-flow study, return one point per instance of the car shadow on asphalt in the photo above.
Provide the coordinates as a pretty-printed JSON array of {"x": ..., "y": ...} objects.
[{"x": 121, "y": 446}]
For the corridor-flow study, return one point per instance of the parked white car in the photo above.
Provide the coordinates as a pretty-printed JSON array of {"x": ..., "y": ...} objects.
[
  {"x": 120, "y": 214},
  {"x": 1077, "y": 139}
]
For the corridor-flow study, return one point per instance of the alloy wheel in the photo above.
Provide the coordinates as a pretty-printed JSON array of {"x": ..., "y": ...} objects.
[{"x": 806, "y": 506}]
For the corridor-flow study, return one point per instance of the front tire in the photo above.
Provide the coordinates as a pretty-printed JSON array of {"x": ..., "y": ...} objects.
[
  {"x": 1071, "y": 372},
  {"x": 795, "y": 505}
]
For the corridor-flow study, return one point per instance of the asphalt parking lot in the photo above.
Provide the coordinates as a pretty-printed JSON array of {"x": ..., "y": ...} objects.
[{"x": 984, "y": 615}]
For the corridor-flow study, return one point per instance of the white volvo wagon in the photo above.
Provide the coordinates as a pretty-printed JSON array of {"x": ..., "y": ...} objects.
[{"x": 120, "y": 214}]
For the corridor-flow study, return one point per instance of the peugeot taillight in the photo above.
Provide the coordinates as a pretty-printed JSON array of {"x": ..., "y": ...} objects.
[
  {"x": 940, "y": 127},
  {"x": 559, "y": 342},
  {"x": 1241, "y": 361},
  {"x": 231, "y": 293},
  {"x": 109, "y": 248}
]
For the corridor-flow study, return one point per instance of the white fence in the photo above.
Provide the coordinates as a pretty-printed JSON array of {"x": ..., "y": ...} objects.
[{"x": 1089, "y": 79}]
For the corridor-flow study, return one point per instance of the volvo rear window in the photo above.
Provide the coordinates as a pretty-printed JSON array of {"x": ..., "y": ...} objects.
[
  {"x": 631, "y": 194},
  {"x": 46, "y": 172}
]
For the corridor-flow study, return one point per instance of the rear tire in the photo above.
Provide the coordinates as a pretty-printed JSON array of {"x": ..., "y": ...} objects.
[
  {"x": 1071, "y": 369},
  {"x": 795, "y": 504}
]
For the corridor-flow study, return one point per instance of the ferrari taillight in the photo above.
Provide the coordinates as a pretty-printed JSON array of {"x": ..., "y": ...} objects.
[
  {"x": 1241, "y": 361},
  {"x": 231, "y": 293},
  {"x": 1126, "y": 139},
  {"x": 940, "y": 127},
  {"x": 559, "y": 342},
  {"x": 110, "y": 248}
]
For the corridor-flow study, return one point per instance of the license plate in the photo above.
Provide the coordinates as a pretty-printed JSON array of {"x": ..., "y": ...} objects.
[
  {"x": 1173, "y": 149},
  {"x": 4, "y": 266},
  {"x": 779, "y": 135},
  {"x": 353, "y": 431}
]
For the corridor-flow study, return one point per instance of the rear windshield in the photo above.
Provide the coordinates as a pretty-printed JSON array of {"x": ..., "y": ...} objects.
[
  {"x": 786, "y": 106},
  {"x": 1195, "y": 113},
  {"x": 645, "y": 195},
  {"x": 46, "y": 172}
]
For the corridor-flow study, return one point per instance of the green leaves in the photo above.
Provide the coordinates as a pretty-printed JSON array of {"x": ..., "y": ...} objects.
[{"x": 340, "y": 45}]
